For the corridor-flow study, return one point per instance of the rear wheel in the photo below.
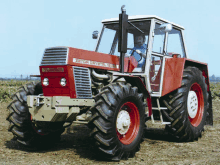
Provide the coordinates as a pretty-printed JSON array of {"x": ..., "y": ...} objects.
[
  {"x": 21, "y": 125},
  {"x": 118, "y": 121},
  {"x": 188, "y": 106}
]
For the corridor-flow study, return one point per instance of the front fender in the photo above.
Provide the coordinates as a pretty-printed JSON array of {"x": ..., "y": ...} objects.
[{"x": 137, "y": 81}]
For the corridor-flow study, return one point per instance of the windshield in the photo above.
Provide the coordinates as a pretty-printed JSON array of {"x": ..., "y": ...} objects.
[{"x": 137, "y": 39}]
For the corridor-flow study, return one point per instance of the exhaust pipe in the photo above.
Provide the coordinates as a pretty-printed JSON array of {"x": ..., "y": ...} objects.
[{"x": 100, "y": 76}]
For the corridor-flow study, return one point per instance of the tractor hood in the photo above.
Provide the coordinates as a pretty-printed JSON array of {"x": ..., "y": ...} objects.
[
  {"x": 68, "y": 63},
  {"x": 79, "y": 57}
]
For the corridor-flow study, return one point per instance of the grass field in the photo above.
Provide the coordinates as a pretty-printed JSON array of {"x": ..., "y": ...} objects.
[
  {"x": 7, "y": 88},
  {"x": 75, "y": 146}
]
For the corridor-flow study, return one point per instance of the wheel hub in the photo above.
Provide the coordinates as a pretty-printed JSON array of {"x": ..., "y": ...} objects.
[
  {"x": 192, "y": 104},
  {"x": 123, "y": 122}
]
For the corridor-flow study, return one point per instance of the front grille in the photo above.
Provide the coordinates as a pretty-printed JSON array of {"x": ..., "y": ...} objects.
[
  {"x": 82, "y": 82},
  {"x": 55, "y": 56}
]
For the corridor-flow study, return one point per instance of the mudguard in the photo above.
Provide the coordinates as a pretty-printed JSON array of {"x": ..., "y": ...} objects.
[
  {"x": 137, "y": 81},
  {"x": 173, "y": 73}
]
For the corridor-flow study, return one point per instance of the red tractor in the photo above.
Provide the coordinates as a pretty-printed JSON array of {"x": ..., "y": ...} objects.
[{"x": 139, "y": 71}]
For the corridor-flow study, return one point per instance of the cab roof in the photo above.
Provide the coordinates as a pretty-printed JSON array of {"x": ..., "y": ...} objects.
[{"x": 142, "y": 17}]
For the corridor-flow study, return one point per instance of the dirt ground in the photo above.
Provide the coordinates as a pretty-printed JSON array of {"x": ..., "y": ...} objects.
[{"x": 75, "y": 147}]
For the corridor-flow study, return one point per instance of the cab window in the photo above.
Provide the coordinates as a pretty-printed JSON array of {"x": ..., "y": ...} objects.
[
  {"x": 158, "y": 40},
  {"x": 175, "y": 43},
  {"x": 109, "y": 40}
]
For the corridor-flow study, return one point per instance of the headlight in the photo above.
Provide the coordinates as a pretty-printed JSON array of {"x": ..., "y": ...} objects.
[
  {"x": 46, "y": 82},
  {"x": 63, "y": 82}
]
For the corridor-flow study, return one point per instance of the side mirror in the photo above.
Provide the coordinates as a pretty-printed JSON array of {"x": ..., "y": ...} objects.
[
  {"x": 95, "y": 34},
  {"x": 166, "y": 27}
]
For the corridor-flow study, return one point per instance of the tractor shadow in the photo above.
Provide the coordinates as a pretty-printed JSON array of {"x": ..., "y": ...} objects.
[
  {"x": 76, "y": 140},
  {"x": 158, "y": 134}
]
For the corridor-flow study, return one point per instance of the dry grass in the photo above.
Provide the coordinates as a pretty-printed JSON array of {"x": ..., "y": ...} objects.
[
  {"x": 215, "y": 89},
  {"x": 76, "y": 148},
  {"x": 7, "y": 88}
]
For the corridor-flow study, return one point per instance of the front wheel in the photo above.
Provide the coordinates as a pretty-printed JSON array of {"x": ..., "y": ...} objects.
[
  {"x": 27, "y": 132},
  {"x": 118, "y": 121},
  {"x": 187, "y": 106}
]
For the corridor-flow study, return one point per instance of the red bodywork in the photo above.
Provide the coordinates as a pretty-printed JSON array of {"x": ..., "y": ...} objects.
[
  {"x": 54, "y": 74},
  {"x": 82, "y": 58},
  {"x": 77, "y": 57},
  {"x": 173, "y": 73},
  {"x": 91, "y": 59}
]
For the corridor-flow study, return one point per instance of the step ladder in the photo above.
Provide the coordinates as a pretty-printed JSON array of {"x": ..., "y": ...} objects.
[{"x": 158, "y": 108}]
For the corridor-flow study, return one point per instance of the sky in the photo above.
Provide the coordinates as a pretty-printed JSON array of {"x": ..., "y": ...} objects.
[{"x": 28, "y": 27}]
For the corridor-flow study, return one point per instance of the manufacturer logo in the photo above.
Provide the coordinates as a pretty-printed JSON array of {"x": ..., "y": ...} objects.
[
  {"x": 59, "y": 69},
  {"x": 96, "y": 63}
]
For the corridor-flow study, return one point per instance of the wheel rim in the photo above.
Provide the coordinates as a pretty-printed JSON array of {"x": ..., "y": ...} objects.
[
  {"x": 127, "y": 123},
  {"x": 192, "y": 104},
  {"x": 195, "y": 104}
]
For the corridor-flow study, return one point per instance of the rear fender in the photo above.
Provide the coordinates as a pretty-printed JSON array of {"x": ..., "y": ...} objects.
[
  {"x": 173, "y": 74},
  {"x": 204, "y": 68}
]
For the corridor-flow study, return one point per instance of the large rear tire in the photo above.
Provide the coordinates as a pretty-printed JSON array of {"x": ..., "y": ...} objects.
[
  {"x": 187, "y": 106},
  {"x": 21, "y": 125},
  {"x": 118, "y": 121}
]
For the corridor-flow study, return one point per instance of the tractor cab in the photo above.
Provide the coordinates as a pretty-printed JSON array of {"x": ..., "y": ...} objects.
[{"x": 150, "y": 40}]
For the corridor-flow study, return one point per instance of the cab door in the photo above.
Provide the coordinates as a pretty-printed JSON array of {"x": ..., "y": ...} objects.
[
  {"x": 165, "y": 44},
  {"x": 157, "y": 60}
]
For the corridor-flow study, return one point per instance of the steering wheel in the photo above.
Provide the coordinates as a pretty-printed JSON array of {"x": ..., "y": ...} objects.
[{"x": 138, "y": 52}]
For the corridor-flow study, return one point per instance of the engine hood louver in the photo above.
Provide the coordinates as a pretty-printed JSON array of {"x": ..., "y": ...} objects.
[
  {"x": 55, "y": 56},
  {"x": 82, "y": 82}
]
